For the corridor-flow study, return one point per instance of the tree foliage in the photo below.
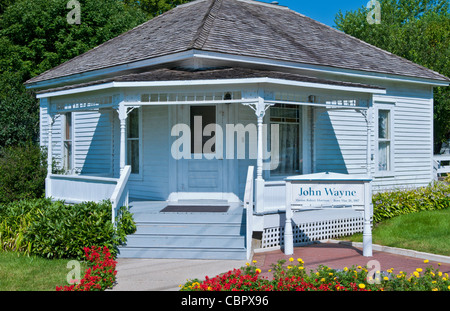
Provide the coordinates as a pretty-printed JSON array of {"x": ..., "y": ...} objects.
[
  {"x": 418, "y": 30},
  {"x": 155, "y": 7},
  {"x": 35, "y": 36}
]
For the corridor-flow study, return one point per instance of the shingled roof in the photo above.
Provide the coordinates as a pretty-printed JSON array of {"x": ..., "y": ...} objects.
[{"x": 240, "y": 27}]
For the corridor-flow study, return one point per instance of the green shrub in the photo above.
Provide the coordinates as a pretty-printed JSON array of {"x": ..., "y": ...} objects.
[
  {"x": 394, "y": 203},
  {"x": 15, "y": 218},
  {"x": 55, "y": 230},
  {"x": 23, "y": 170}
]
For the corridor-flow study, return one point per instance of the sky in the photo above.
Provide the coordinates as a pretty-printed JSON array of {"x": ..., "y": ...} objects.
[{"x": 323, "y": 11}]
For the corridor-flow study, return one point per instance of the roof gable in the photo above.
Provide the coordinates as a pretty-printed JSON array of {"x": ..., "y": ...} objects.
[{"x": 240, "y": 27}]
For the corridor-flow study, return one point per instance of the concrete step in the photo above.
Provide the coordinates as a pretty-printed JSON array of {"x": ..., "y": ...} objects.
[
  {"x": 182, "y": 253},
  {"x": 185, "y": 241},
  {"x": 201, "y": 229}
]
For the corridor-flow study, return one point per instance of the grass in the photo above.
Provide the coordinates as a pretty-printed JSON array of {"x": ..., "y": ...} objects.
[
  {"x": 30, "y": 273},
  {"x": 426, "y": 231}
]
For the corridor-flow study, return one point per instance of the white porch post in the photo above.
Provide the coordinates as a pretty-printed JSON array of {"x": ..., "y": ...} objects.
[
  {"x": 48, "y": 186},
  {"x": 260, "y": 110},
  {"x": 367, "y": 230},
  {"x": 122, "y": 111}
]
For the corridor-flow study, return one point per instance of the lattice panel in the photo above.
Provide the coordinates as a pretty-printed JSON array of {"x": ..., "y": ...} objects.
[{"x": 305, "y": 233}]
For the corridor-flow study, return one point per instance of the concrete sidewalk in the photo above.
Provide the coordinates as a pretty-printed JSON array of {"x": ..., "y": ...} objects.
[{"x": 168, "y": 274}]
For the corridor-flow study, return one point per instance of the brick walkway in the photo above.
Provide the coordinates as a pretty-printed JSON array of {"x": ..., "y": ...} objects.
[{"x": 338, "y": 256}]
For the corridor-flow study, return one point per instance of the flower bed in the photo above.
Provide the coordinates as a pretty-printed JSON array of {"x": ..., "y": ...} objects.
[
  {"x": 293, "y": 277},
  {"x": 100, "y": 275}
]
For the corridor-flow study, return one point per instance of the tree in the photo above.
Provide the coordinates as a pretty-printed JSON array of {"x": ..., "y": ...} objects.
[
  {"x": 35, "y": 36},
  {"x": 155, "y": 7},
  {"x": 418, "y": 30}
]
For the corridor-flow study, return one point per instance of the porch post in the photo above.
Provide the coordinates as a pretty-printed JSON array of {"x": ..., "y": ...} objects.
[
  {"x": 122, "y": 111},
  {"x": 48, "y": 186},
  {"x": 367, "y": 230},
  {"x": 259, "y": 182}
]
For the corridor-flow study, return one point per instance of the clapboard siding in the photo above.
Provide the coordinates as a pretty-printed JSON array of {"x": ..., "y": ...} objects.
[
  {"x": 339, "y": 141},
  {"x": 93, "y": 142},
  {"x": 412, "y": 138},
  {"x": 245, "y": 116},
  {"x": 153, "y": 183}
]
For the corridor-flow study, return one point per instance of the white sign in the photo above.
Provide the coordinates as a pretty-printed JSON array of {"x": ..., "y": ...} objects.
[{"x": 317, "y": 194}]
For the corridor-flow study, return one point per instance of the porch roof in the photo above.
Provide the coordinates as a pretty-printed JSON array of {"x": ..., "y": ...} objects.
[{"x": 179, "y": 76}]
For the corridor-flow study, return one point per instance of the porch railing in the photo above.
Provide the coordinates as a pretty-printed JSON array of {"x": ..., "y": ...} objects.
[
  {"x": 248, "y": 204},
  {"x": 83, "y": 188},
  {"x": 438, "y": 166},
  {"x": 121, "y": 194}
]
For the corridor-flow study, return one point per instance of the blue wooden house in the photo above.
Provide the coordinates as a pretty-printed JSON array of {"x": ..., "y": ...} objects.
[{"x": 171, "y": 117}]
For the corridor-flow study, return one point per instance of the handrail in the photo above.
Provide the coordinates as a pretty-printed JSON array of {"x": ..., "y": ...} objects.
[
  {"x": 248, "y": 205},
  {"x": 119, "y": 190}
]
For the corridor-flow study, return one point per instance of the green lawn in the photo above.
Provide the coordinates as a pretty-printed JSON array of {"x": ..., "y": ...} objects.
[
  {"x": 427, "y": 231},
  {"x": 23, "y": 273}
]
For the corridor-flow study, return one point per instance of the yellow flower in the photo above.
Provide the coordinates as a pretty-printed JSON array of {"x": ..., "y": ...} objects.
[
  {"x": 291, "y": 259},
  {"x": 289, "y": 267},
  {"x": 330, "y": 273},
  {"x": 270, "y": 270},
  {"x": 300, "y": 268},
  {"x": 300, "y": 260},
  {"x": 258, "y": 270},
  {"x": 426, "y": 261},
  {"x": 322, "y": 280},
  {"x": 386, "y": 278},
  {"x": 362, "y": 286},
  {"x": 419, "y": 270},
  {"x": 416, "y": 274},
  {"x": 359, "y": 267},
  {"x": 448, "y": 287},
  {"x": 247, "y": 264},
  {"x": 254, "y": 261},
  {"x": 389, "y": 270},
  {"x": 434, "y": 289},
  {"x": 345, "y": 269}
]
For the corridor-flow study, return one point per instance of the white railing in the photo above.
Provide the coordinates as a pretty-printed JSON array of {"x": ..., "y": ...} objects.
[
  {"x": 248, "y": 205},
  {"x": 438, "y": 166},
  {"x": 79, "y": 188},
  {"x": 120, "y": 195},
  {"x": 83, "y": 188}
]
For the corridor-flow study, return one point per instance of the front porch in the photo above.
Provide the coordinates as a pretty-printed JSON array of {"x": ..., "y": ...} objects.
[{"x": 122, "y": 140}]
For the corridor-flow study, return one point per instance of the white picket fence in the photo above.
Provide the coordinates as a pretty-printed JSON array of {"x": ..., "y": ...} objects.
[{"x": 441, "y": 165}]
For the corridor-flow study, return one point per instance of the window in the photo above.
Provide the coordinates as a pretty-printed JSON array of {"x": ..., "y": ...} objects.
[
  {"x": 133, "y": 141},
  {"x": 290, "y": 144},
  {"x": 200, "y": 117},
  {"x": 384, "y": 138},
  {"x": 67, "y": 142}
]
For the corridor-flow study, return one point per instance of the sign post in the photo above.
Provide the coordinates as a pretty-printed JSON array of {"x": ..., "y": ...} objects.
[{"x": 324, "y": 190}]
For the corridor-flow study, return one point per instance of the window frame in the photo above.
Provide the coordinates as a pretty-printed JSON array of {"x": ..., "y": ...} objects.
[
  {"x": 389, "y": 107},
  {"x": 274, "y": 177},
  {"x": 139, "y": 175}
]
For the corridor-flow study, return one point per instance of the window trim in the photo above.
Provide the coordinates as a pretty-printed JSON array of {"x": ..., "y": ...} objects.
[
  {"x": 67, "y": 168},
  {"x": 136, "y": 176},
  {"x": 276, "y": 177},
  {"x": 390, "y": 108}
]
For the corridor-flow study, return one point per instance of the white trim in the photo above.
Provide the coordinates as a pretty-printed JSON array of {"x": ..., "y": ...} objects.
[
  {"x": 391, "y": 108},
  {"x": 211, "y": 82},
  {"x": 185, "y": 55},
  {"x": 316, "y": 68},
  {"x": 110, "y": 71}
]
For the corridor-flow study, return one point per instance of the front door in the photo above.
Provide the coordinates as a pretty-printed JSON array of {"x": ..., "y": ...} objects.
[{"x": 202, "y": 176}]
